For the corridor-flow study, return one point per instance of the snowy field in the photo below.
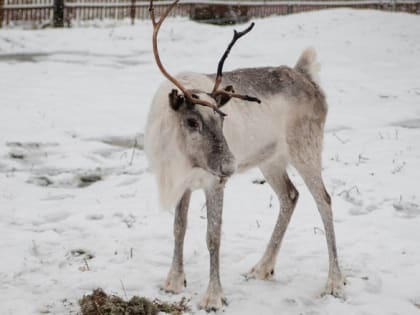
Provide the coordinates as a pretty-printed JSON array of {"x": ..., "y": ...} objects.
[{"x": 78, "y": 206}]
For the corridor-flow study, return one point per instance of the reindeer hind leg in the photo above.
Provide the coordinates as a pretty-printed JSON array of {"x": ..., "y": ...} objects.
[
  {"x": 276, "y": 175},
  {"x": 305, "y": 146}
]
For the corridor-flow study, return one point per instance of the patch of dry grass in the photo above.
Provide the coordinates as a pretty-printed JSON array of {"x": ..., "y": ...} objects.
[{"x": 100, "y": 303}]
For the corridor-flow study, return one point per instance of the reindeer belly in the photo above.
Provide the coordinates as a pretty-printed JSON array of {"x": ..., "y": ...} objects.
[
  {"x": 257, "y": 157},
  {"x": 255, "y": 133},
  {"x": 251, "y": 149}
]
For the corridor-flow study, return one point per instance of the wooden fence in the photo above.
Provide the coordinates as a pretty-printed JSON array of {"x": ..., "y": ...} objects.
[{"x": 62, "y": 12}]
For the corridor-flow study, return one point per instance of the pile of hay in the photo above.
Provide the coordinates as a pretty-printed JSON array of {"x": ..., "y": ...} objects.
[{"x": 100, "y": 303}]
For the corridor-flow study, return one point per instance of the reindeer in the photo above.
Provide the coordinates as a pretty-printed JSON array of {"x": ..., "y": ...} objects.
[{"x": 192, "y": 144}]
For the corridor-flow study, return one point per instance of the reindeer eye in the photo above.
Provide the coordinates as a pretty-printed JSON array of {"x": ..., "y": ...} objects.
[{"x": 192, "y": 123}]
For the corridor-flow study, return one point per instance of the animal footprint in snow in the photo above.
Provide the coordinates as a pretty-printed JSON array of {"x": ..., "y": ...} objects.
[{"x": 407, "y": 209}]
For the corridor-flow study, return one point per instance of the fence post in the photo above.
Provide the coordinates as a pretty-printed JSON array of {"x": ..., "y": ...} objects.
[
  {"x": 133, "y": 11},
  {"x": 1, "y": 12},
  {"x": 58, "y": 15}
]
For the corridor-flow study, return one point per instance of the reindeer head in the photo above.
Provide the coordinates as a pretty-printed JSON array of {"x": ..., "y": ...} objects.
[
  {"x": 200, "y": 119},
  {"x": 202, "y": 139}
]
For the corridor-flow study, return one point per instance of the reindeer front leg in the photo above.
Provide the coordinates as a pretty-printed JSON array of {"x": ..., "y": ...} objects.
[
  {"x": 175, "y": 281},
  {"x": 214, "y": 298}
]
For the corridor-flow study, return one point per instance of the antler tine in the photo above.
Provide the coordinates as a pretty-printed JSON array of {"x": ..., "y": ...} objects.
[
  {"x": 165, "y": 14},
  {"x": 236, "y": 36},
  {"x": 204, "y": 103},
  {"x": 240, "y": 96},
  {"x": 156, "y": 27}
]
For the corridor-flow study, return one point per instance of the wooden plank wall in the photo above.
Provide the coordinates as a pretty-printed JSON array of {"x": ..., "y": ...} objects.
[
  {"x": 117, "y": 9},
  {"x": 41, "y": 11},
  {"x": 25, "y": 10}
]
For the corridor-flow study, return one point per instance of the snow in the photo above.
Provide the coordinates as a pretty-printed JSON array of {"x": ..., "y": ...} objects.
[{"x": 74, "y": 103}]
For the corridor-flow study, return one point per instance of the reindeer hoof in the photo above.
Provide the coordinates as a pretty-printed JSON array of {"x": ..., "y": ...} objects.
[
  {"x": 175, "y": 283},
  {"x": 213, "y": 300},
  {"x": 260, "y": 272},
  {"x": 212, "y": 303},
  {"x": 334, "y": 287}
]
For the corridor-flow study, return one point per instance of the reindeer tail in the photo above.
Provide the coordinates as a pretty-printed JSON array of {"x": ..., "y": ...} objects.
[{"x": 308, "y": 65}]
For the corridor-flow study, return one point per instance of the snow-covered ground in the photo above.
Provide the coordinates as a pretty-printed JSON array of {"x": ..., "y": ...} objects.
[{"x": 73, "y": 104}]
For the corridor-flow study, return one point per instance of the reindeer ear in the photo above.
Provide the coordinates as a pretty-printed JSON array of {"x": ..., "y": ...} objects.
[
  {"x": 175, "y": 100},
  {"x": 222, "y": 99}
]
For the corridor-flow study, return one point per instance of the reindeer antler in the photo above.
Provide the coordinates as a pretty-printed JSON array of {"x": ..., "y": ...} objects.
[
  {"x": 219, "y": 76},
  {"x": 156, "y": 27},
  {"x": 236, "y": 36},
  {"x": 186, "y": 92}
]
